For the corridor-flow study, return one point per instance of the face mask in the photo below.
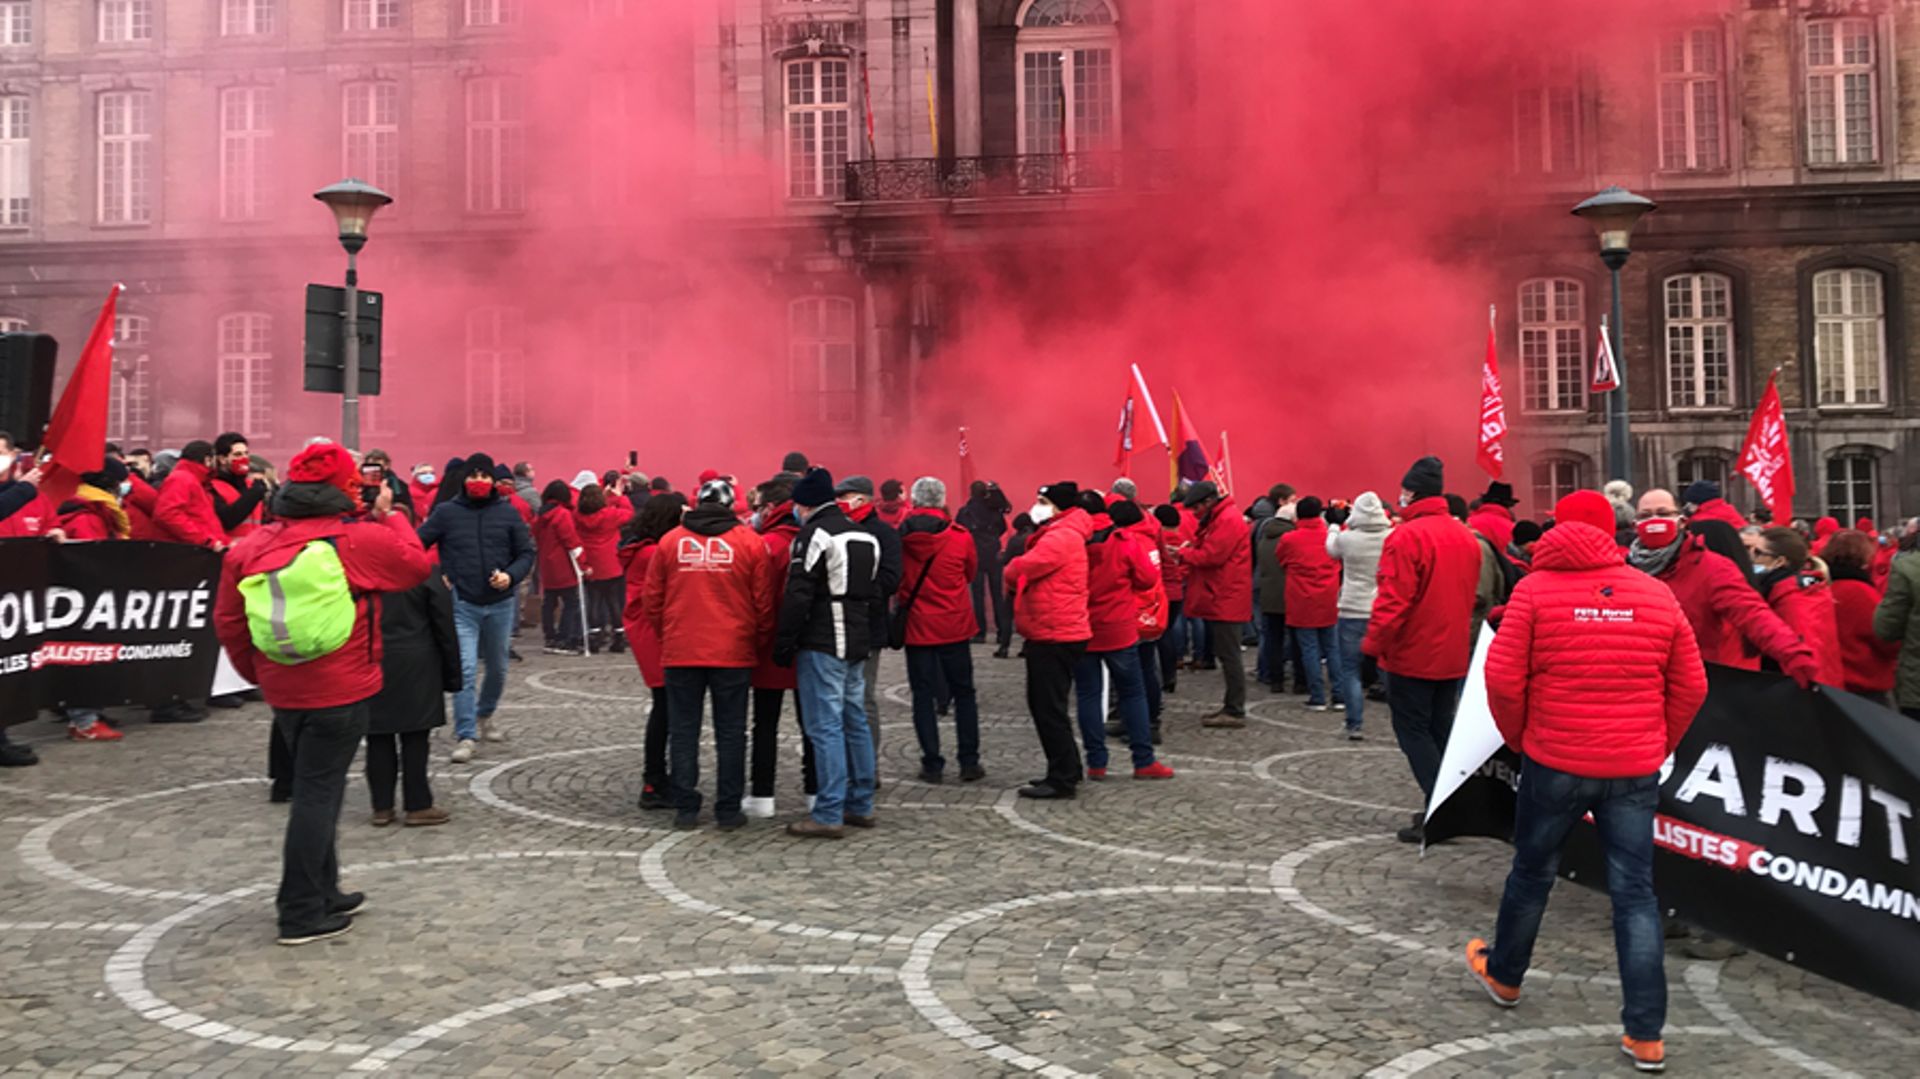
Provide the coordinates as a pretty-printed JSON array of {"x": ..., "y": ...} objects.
[
  {"x": 428, "y": 479},
  {"x": 1406, "y": 499},
  {"x": 479, "y": 488},
  {"x": 125, "y": 488},
  {"x": 239, "y": 465},
  {"x": 754, "y": 521},
  {"x": 1042, "y": 512},
  {"x": 797, "y": 517},
  {"x": 6, "y": 464},
  {"x": 1657, "y": 532}
]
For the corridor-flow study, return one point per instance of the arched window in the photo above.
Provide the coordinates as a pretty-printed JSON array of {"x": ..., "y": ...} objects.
[
  {"x": 821, "y": 360},
  {"x": 1699, "y": 340},
  {"x": 1850, "y": 338},
  {"x": 1853, "y": 485},
  {"x": 1553, "y": 333},
  {"x": 819, "y": 127},
  {"x": 1701, "y": 464},
  {"x": 1068, "y": 77},
  {"x": 496, "y": 372},
  {"x": 246, "y": 374},
  {"x": 130, "y": 401},
  {"x": 1554, "y": 478}
]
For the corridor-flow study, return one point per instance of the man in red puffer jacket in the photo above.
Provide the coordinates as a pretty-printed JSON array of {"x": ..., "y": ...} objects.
[
  {"x": 1049, "y": 586},
  {"x": 1313, "y": 597},
  {"x": 1219, "y": 565},
  {"x": 1593, "y": 679},
  {"x": 939, "y": 560}
]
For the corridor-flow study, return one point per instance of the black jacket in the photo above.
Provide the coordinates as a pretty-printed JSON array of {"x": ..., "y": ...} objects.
[
  {"x": 14, "y": 496},
  {"x": 476, "y": 538},
  {"x": 983, "y": 517},
  {"x": 892, "y": 565},
  {"x": 421, "y": 661},
  {"x": 832, "y": 587}
]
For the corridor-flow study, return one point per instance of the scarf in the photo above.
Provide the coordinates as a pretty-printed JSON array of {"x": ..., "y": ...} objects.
[
  {"x": 110, "y": 504},
  {"x": 1653, "y": 561}
]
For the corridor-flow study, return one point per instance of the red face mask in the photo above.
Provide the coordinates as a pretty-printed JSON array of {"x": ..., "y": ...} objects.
[
  {"x": 479, "y": 488},
  {"x": 1657, "y": 532},
  {"x": 239, "y": 466}
]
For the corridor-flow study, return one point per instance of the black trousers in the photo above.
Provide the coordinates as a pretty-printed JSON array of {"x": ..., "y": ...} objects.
[
  {"x": 279, "y": 763},
  {"x": 1150, "y": 676},
  {"x": 1050, "y": 699},
  {"x": 401, "y": 757},
  {"x": 1422, "y": 718},
  {"x": 323, "y": 741},
  {"x": 566, "y": 602},
  {"x": 1225, "y": 638},
  {"x": 1169, "y": 646},
  {"x": 604, "y": 600},
  {"x": 989, "y": 586},
  {"x": 939, "y": 675},
  {"x": 653, "y": 769},
  {"x": 765, "y": 753},
  {"x": 687, "y": 690}
]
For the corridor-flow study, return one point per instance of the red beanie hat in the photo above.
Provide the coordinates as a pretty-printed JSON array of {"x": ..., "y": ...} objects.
[
  {"x": 707, "y": 476},
  {"x": 324, "y": 462},
  {"x": 1587, "y": 508}
]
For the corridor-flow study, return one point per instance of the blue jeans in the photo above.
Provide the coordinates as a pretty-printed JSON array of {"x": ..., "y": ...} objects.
[
  {"x": 1548, "y": 804},
  {"x": 832, "y": 693},
  {"x": 1130, "y": 701},
  {"x": 482, "y": 630},
  {"x": 1351, "y": 632},
  {"x": 1316, "y": 642}
]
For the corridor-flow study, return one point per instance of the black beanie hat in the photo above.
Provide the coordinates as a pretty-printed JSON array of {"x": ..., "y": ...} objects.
[
  {"x": 1167, "y": 516},
  {"x": 1126, "y": 513},
  {"x": 1525, "y": 532},
  {"x": 479, "y": 462},
  {"x": 1700, "y": 492},
  {"x": 814, "y": 489},
  {"x": 111, "y": 475},
  {"x": 1308, "y": 508},
  {"x": 1064, "y": 495},
  {"x": 1092, "y": 502},
  {"x": 1426, "y": 478}
]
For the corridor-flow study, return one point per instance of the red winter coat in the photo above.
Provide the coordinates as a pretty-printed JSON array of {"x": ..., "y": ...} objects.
[
  {"x": 379, "y": 556},
  {"x": 423, "y": 497},
  {"x": 1719, "y": 509},
  {"x": 779, "y": 536},
  {"x": 184, "y": 511},
  {"x": 709, "y": 592},
  {"x": 1173, "y": 573},
  {"x": 1730, "y": 619},
  {"x": 1151, "y": 603},
  {"x": 1495, "y": 523},
  {"x": 641, "y": 636},
  {"x": 140, "y": 503},
  {"x": 600, "y": 535},
  {"x": 554, "y": 535},
  {"x": 1049, "y": 581},
  {"x": 32, "y": 519},
  {"x": 891, "y": 512},
  {"x": 88, "y": 519},
  {"x": 1869, "y": 661},
  {"x": 1883, "y": 565},
  {"x": 1594, "y": 670},
  {"x": 1118, "y": 570},
  {"x": 519, "y": 504},
  {"x": 1220, "y": 567},
  {"x": 1313, "y": 576},
  {"x": 1805, "y": 602},
  {"x": 1422, "y": 625},
  {"x": 943, "y": 612}
]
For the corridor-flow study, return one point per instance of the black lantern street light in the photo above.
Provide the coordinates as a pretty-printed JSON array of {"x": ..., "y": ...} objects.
[
  {"x": 353, "y": 204},
  {"x": 1613, "y": 213}
]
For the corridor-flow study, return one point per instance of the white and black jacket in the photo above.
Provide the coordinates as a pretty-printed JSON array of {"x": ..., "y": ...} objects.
[{"x": 831, "y": 587}]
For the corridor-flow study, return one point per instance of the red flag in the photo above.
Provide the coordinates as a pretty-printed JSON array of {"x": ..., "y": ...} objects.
[
  {"x": 1493, "y": 410},
  {"x": 77, "y": 435},
  {"x": 1766, "y": 459},
  {"x": 1223, "y": 467},
  {"x": 866, "y": 91},
  {"x": 1123, "y": 450},
  {"x": 966, "y": 462},
  {"x": 1606, "y": 376},
  {"x": 1186, "y": 461}
]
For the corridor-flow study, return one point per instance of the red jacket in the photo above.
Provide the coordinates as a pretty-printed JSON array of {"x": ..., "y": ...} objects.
[
  {"x": 943, "y": 612},
  {"x": 32, "y": 519},
  {"x": 1719, "y": 509},
  {"x": 709, "y": 592},
  {"x": 1594, "y": 670},
  {"x": 1805, "y": 602},
  {"x": 423, "y": 496},
  {"x": 641, "y": 636},
  {"x": 1173, "y": 573},
  {"x": 1883, "y": 565},
  {"x": 184, "y": 511},
  {"x": 891, "y": 512},
  {"x": 1220, "y": 567},
  {"x": 1118, "y": 569},
  {"x": 554, "y": 535},
  {"x": 140, "y": 503},
  {"x": 1730, "y": 619},
  {"x": 1313, "y": 576},
  {"x": 779, "y": 533},
  {"x": 379, "y": 556},
  {"x": 1049, "y": 581},
  {"x": 88, "y": 520},
  {"x": 1495, "y": 523},
  {"x": 600, "y": 535},
  {"x": 1869, "y": 661},
  {"x": 1422, "y": 625},
  {"x": 520, "y": 505}
]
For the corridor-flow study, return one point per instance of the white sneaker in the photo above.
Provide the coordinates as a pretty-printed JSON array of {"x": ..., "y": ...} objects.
[
  {"x": 757, "y": 807},
  {"x": 463, "y": 752},
  {"x": 490, "y": 731},
  {"x": 810, "y": 801}
]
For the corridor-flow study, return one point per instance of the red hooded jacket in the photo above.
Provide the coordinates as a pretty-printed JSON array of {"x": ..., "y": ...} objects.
[
  {"x": 1118, "y": 570},
  {"x": 778, "y": 532},
  {"x": 1805, "y": 602},
  {"x": 1173, "y": 573},
  {"x": 1049, "y": 581},
  {"x": 931, "y": 543},
  {"x": 1220, "y": 567},
  {"x": 1313, "y": 576},
  {"x": 1594, "y": 670},
  {"x": 1719, "y": 509},
  {"x": 1869, "y": 661},
  {"x": 184, "y": 511},
  {"x": 709, "y": 592},
  {"x": 554, "y": 535},
  {"x": 1730, "y": 619},
  {"x": 600, "y": 535},
  {"x": 140, "y": 503},
  {"x": 1422, "y": 625},
  {"x": 32, "y": 519},
  {"x": 641, "y": 635},
  {"x": 1493, "y": 522}
]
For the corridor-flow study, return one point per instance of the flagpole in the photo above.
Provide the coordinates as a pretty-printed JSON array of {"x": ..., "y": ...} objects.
[{"x": 1147, "y": 395}]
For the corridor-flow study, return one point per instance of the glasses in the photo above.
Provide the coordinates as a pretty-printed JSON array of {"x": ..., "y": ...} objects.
[{"x": 1662, "y": 512}]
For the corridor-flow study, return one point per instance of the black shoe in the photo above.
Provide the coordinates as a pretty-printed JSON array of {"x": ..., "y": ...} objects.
[
  {"x": 619, "y": 645},
  {"x": 1172, "y": 686},
  {"x": 280, "y": 794},
  {"x": 941, "y": 709},
  {"x": 1156, "y": 734},
  {"x": 929, "y": 775},
  {"x": 972, "y": 773},
  {"x": 982, "y": 639},
  {"x": 653, "y": 799},
  {"x": 1045, "y": 792},
  {"x": 1413, "y": 833},
  {"x": 1208, "y": 666},
  {"x": 349, "y": 904},
  {"x": 1001, "y": 653},
  {"x": 15, "y": 755},
  {"x": 331, "y": 926},
  {"x": 514, "y": 654},
  {"x": 177, "y": 713},
  {"x": 727, "y": 824},
  {"x": 225, "y": 700},
  {"x": 686, "y": 820}
]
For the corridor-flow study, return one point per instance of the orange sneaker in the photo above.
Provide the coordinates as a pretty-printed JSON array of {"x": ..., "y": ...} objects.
[
  {"x": 99, "y": 732},
  {"x": 1504, "y": 995},
  {"x": 1647, "y": 1056}
]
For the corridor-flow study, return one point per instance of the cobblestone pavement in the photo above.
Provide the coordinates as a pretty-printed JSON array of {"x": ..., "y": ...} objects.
[{"x": 1252, "y": 916}]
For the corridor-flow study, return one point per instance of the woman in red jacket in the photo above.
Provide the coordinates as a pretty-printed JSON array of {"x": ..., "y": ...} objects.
[
  {"x": 1867, "y": 661},
  {"x": 656, "y": 518},
  {"x": 1795, "y": 584},
  {"x": 771, "y": 683},
  {"x": 1118, "y": 568},
  {"x": 1313, "y": 598},
  {"x": 939, "y": 560},
  {"x": 557, "y": 541},
  {"x": 598, "y": 525},
  {"x": 1173, "y": 643}
]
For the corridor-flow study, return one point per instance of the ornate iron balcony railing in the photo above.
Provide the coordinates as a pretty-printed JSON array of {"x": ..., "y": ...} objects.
[{"x": 915, "y": 179}]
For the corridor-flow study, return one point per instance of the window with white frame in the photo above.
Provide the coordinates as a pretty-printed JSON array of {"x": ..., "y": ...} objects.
[
  {"x": 370, "y": 148},
  {"x": 125, "y": 157},
  {"x": 1553, "y": 333},
  {"x": 1843, "y": 93},
  {"x": 370, "y": 14},
  {"x": 1699, "y": 319},
  {"x": 496, "y": 145},
  {"x": 16, "y": 161},
  {"x": 493, "y": 12},
  {"x": 1700, "y": 465},
  {"x": 246, "y": 18},
  {"x": 12, "y": 324},
  {"x": 246, "y": 374},
  {"x": 130, "y": 400},
  {"x": 1546, "y": 126},
  {"x": 123, "y": 22},
  {"x": 16, "y": 23},
  {"x": 822, "y": 367},
  {"x": 1853, "y": 481},
  {"x": 1850, "y": 338},
  {"x": 1554, "y": 478},
  {"x": 819, "y": 127},
  {"x": 1692, "y": 102},
  {"x": 1068, "y": 85},
  {"x": 496, "y": 372},
  {"x": 246, "y": 152}
]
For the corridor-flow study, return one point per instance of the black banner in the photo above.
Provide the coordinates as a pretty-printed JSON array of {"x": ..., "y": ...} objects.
[
  {"x": 1786, "y": 822},
  {"x": 101, "y": 624}
]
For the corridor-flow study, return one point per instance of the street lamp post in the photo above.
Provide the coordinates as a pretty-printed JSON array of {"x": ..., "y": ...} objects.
[
  {"x": 353, "y": 204},
  {"x": 1613, "y": 213}
]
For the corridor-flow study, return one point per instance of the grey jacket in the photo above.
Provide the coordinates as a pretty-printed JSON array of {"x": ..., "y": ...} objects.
[{"x": 1357, "y": 546}]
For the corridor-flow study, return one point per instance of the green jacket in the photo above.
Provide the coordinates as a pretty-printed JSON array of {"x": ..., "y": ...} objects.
[{"x": 1898, "y": 619}]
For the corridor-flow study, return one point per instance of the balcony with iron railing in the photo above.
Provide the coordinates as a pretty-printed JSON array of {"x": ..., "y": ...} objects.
[{"x": 1023, "y": 175}]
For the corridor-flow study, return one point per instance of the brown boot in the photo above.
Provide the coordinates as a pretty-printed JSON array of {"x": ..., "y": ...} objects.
[
  {"x": 855, "y": 820},
  {"x": 381, "y": 818},
  {"x": 1226, "y": 720},
  {"x": 808, "y": 828},
  {"x": 430, "y": 816}
]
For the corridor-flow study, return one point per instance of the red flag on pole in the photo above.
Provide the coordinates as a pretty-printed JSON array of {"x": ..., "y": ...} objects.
[
  {"x": 966, "y": 462},
  {"x": 866, "y": 92},
  {"x": 1493, "y": 409},
  {"x": 1123, "y": 449},
  {"x": 1606, "y": 376},
  {"x": 77, "y": 435},
  {"x": 1766, "y": 459},
  {"x": 1223, "y": 466}
]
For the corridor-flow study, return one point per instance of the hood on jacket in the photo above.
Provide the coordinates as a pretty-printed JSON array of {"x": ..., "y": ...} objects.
[
  {"x": 925, "y": 521},
  {"x": 710, "y": 519},
  {"x": 776, "y": 517},
  {"x": 1369, "y": 514},
  {"x": 1575, "y": 545},
  {"x": 297, "y": 500}
]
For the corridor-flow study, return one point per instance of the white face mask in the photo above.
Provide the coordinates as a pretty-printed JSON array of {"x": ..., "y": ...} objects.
[
  {"x": 1041, "y": 512},
  {"x": 126, "y": 488},
  {"x": 1406, "y": 499},
  {"x": 6, "y": 465}
]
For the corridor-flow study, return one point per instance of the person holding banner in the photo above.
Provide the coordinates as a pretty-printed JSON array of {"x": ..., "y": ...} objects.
[{"x": 1593, "y": 678}]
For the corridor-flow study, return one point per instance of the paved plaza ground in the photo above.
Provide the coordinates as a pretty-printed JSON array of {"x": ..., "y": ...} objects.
[{"x": 1253, "y": 916}]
